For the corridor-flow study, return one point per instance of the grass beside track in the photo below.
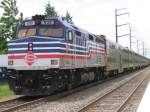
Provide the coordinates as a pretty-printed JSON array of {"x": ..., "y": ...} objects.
[{"x": 5, "y": 92}]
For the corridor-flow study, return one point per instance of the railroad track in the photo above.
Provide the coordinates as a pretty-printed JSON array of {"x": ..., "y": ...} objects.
[
  {"x": 10, "y": 105},
  {"x": 23, "y": 104},
  {"x": 132, "y": 104},
  {"x": 115, "y": 100}
]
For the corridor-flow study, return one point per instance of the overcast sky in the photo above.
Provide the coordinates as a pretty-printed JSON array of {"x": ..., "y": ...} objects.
[{"x": 97, "y": 16}]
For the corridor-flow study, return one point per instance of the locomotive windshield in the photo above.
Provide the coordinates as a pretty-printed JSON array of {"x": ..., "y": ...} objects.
[
  {"x": 54, "y": 32},
  {"x": 51, "y": 32},
  {"x": 27, "y": 32},
  {"x": 38, "y": 27}
]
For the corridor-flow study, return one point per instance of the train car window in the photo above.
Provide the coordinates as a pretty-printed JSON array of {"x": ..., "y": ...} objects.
[
  {"x": 91, "y": 37},
  {"x": 54, "y": 32},
  {"x": 78, "y": 33},
  {"x": 26, "y": 32}
]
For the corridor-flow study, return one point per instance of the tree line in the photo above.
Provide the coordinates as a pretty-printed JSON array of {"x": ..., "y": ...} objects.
[{"x": 9, "y": 20}]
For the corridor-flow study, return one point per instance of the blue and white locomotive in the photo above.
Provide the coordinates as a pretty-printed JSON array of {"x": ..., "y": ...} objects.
[{"x": 50, "y": 55}]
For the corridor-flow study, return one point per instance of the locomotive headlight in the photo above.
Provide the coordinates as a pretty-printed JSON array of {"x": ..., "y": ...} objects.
[
  {"x": 30, "y": 44},
  {"x": 30, "y": 47},
  {"x": 54, "y": 62}
]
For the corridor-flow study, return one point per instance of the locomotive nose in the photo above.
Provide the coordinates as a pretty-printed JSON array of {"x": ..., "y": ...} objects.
[{"x": 35, "y": 53}]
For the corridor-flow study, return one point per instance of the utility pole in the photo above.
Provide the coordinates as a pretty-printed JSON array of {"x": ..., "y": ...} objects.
[
  {"x": 130, "y": 35},
  {"x": 137, "y": 46},
  {"x": 143, "y": 49},
  {"x": 145, "y": 52},
  {"x": 140, "y": 47},
  {"x": 116, "y": 24}
]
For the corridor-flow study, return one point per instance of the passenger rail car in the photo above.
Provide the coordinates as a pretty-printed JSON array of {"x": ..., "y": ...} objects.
[{"x": 50, "y": 54}]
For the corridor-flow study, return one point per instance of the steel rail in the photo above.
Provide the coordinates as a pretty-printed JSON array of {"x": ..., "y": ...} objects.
[
  {"x": 94, "y": 101},
  {"x": 130, "y": 95}
]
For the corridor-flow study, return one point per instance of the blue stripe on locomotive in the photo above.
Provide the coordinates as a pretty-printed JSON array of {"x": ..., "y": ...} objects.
[
  {"x": 48, "y": 51},
  {"x": 46, "y": 45},
  {"x": 36, "y": 39},
  {"x": 17, "y": 46}
]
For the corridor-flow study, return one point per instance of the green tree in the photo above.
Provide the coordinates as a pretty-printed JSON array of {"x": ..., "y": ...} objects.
[
  {"x": 50, "y": 10},
  {"x": 3, "y": 42},
  {"x": 21, "y": 17},
  {"x": 68, "y": 18},
  {"x": 8, "y": 22},
  {"x": 8, "y": 19}
]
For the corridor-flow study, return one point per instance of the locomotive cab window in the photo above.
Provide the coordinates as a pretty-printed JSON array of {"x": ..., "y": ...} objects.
[
  {"x": 53, "y": 32},
  {"x": 40, "y": 26},
  {"x": 69, "y": 36},
  {"x": 26, "y": 32}
]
